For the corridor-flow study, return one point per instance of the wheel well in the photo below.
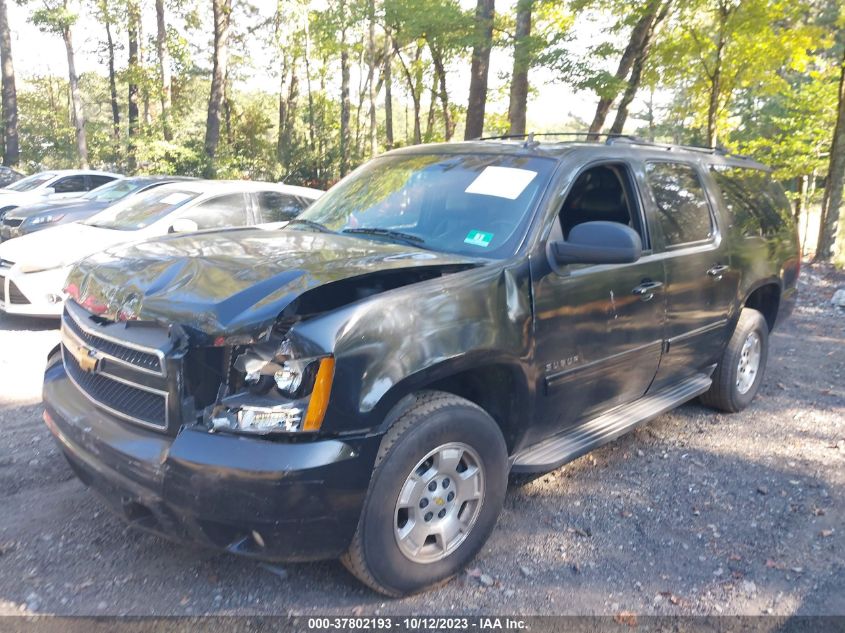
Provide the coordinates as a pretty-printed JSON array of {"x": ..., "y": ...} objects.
[
  {"x": 766, "y": 300},
  {"x": 497, "y": 389}
]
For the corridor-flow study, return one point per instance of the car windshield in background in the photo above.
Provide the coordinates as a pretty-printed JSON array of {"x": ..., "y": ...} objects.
[
  {"x": 30, "y": 182},
  {"x": 140, "y": 213},
  {"x": 470, "y": 204},
  {"x": 113, "y": 191}
]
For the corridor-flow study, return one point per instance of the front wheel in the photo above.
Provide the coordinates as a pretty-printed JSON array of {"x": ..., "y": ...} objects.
[
  {"x": 738, "y": 376},
  {"x": 437, "y": 489}
]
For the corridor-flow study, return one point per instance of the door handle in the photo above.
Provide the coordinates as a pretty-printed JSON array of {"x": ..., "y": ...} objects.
[
  {"x": 717, "y": 271},
  {"x": 645, "y": 290}
]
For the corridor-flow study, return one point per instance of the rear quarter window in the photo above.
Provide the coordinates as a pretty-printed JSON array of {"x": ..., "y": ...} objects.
[
  {"x": 683, "y": 211},
  {"x": 757, "y": 205}
]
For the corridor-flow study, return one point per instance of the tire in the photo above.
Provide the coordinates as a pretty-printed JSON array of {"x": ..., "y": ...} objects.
[
  {"x": 436, "y": 422},
  {"x": 732, "y": 389}
]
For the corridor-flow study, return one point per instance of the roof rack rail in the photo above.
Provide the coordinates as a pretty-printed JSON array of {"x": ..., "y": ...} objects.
[
  {"x": 531, "y": 135},
  {"x": 612, "y": 138}
]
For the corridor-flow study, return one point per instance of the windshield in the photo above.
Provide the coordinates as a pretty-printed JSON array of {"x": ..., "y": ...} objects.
[
  {"x": 470, "y": 204},
  {"x": 114, "y": 191},
  {"x": 31, "y": 182},
  {"x": 141, "y": 211}
]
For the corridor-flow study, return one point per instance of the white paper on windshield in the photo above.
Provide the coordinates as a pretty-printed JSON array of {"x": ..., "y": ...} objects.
[
  {"x": 175, "y": 198},
  {"x": 502, "y": 182}
]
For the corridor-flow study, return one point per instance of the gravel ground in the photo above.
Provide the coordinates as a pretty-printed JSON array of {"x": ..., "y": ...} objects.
[{"x": 695, "y": 513}]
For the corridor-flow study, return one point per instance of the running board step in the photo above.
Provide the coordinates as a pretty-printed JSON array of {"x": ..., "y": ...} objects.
[{"x": 581, "y": 439}]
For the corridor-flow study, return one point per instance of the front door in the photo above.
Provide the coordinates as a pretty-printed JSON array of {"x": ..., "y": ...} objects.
[{"x": 598, "y": 328}]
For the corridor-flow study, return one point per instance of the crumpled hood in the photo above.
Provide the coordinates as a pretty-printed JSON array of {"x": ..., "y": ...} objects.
[
  {"x": 233, "y": 282},
  {"x": 60, "y": 245}
]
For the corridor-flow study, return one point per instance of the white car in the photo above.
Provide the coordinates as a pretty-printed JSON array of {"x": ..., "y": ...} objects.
[
  {"x": 33, "y": 268},
  {"x": 51, "y": 185}
]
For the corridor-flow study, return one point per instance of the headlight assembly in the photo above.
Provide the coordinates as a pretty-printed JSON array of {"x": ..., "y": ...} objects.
[
  {"x": 46, "y": 219},
  {"x": 282, "y": 395}
]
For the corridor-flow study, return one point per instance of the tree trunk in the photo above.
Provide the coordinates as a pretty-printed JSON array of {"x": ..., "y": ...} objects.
[
  {"x": 142, "y": 61},
  {"x": 479, "y": 69},
  {"x": 388, "y": 93},
  {"x": 283, "y": 111},
  {"x": 632, "y": 51},
  {"x": 163, "y": 70},
  {"x": 76, "y": 100},
  {"x": 518, "y": 104},
  {"x": 715, "y": 77},
  {"x": 440, "y": 73},
  {"x": 11, "y": 149},
  {"x": 308, "y": 88},
  {"x": 287, "y": 111},
  {"x": 371, "y": 71},
  {"x": 345, "y": 105},
  {"x": 832, "y": 201},
  {"x": 132, "y": 132},
  {"x": 633, "y": 84},
  {"x": 800, "y": 197},
  {"x": 115, "y": 106},
  {"x": 414, "y": 89},
  {"x": 432, "y": 104},
  {"x": 222, "y": 10}
]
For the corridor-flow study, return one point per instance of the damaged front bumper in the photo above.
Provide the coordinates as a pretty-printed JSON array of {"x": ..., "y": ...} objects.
[{"x": 274, "y": 500}]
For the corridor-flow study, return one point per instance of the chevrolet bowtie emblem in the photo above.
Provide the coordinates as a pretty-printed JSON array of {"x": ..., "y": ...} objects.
[{"x": 86, "y": 358}]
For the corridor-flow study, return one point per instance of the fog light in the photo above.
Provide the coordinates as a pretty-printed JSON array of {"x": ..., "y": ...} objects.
[{"x": 51, "y": 298}]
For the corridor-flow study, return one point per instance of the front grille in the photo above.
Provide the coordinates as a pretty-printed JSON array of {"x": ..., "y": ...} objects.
[
  {"x": 138, "y": 358},
  {"x": 15, "y": 295},
  {"x": 132, "y": 374},
  {"x": 12, "y": 222},
  {"x": 122, "y": 399}
]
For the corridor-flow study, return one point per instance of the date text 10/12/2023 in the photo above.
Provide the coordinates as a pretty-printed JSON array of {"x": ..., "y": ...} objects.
[{"x": 416, "y": 623}]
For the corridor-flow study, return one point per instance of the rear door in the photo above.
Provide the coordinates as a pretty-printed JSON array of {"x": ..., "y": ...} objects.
[
  {"x": 275, "y": 206},
  {"x": 70, "y": 186},
  {"x": 221, "y": 212},
  {"x": 700, "y": 284}
]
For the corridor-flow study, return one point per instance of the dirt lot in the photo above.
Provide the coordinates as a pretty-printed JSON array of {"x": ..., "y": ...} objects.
[{"x": 695, "y": 513}]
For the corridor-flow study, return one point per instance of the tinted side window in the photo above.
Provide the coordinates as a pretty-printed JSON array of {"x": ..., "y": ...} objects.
[
  {"x": 229, "y": 210},
  {"x": 682, "y": 208},
  {"x": 278, "y": 207},
  {"x": 756, "y": 204},
  {"x": 70, "y": 184},
  {"x": 99, "y": 181}
]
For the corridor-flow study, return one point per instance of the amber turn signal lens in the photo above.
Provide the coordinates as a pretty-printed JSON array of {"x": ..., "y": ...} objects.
[{"x": 319, "y": 396}]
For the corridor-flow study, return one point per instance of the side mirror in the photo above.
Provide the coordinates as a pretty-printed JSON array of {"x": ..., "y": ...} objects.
[
  {"x": 599, "y": 243},
  {"x": 49, "y": 191},
  {"x": 183, "y": 225}
]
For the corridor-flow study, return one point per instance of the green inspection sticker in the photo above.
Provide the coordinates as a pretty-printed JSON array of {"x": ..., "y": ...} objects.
[{"x": 479, "y": 238}]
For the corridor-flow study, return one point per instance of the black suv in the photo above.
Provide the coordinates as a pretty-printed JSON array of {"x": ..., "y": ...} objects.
[{"x": 360, "y": 383}]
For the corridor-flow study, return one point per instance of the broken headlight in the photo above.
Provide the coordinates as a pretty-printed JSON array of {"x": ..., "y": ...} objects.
[{"x": 282, "y": 395}]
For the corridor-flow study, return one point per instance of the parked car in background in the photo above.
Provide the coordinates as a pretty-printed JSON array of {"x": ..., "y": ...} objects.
[
  {"x": 8, "y": 176},
  {"x": 51, "y": 185},
  {"x": 36, "y": 217},
  {"x": 33, "y": 268},
  {"x": 361, "y": 383}
]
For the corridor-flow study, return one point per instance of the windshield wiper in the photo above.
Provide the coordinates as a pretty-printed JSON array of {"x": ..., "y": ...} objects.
[
  {"x": 414, "y": 240},
  {"x": 314, "y": 225}
]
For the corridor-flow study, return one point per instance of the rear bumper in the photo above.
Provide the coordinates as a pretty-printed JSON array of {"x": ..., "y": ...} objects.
[{"x": 259, "y": 498}]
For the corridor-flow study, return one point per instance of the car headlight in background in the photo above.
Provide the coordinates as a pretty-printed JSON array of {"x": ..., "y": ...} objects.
[
  {"x": 46, "y": 219},
  {"x": 283, "y": 395}
]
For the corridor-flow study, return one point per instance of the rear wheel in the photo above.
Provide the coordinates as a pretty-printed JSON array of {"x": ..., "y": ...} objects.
[
  {"x": 437, "y": 489},
  {"x": 738, "y": 376}
]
